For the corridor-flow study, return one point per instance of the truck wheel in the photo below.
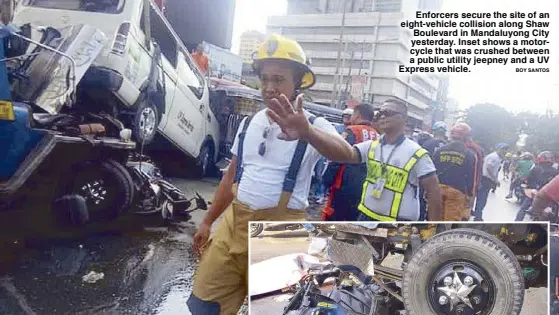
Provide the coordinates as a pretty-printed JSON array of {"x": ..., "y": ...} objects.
[
  {"x": 204, "y": 162},
  {"x": 145, "y": 122},
  {"x": 256, "y": 229},
  {"x": 106, "y": 186},
  {"x": 466, "y": 272}
]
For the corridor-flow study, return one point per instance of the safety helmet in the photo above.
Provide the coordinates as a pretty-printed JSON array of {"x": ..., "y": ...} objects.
[
  {"x": 278, "y": 47},
  {"x": 440, "y": 126},
  {"x": 347, "y": 112},
  {"x": 508, "y": 155},
  {"x": 545, "y": 157},
  {"x": 460, "y": 130},
  {"x": 502, "y": 146}
]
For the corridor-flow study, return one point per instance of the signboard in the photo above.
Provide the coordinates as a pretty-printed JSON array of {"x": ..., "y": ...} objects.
[
  {"x": 358, "y": 83},
  {"x": 223, "y": 63}
]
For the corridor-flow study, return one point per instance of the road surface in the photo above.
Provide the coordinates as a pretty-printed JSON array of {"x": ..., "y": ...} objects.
[{"x": 145, "y": 271}]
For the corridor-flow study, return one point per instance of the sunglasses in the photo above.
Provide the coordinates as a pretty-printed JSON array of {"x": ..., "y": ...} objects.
[
  {"x": 387, "y": 113},
  {"x": 262, "y": 146}
]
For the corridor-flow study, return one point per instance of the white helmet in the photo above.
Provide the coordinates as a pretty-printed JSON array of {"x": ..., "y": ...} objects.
[{"x": 348, "y": 112}]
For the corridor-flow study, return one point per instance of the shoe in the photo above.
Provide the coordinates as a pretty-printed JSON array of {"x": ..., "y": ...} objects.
[{"x": 508, "y": 196}]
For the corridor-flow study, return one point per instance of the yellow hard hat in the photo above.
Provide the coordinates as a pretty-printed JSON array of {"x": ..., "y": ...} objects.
[{"x": 277, "y": 47}]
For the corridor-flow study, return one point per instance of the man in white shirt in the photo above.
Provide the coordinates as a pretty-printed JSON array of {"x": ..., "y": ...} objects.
[
  {"x": 268, "y": 179},
  {"x": 490, "y": 178},
  {"x": 396, "y": 165}
]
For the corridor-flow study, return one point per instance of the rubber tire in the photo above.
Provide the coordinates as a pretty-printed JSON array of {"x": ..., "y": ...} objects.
[
  {"x": 476, "y": 246},
  {"x": 202, "y": 170},
  {"x": 119, "y": 175},
  {"x": 260, "y": 228},
  {"x": 137, "y": 133},
  {"x": 71, "y": 210}
]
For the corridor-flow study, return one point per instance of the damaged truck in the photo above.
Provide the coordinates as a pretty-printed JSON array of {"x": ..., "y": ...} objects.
[
  {"x": 143, "y": 76},
  {"x": 445, "y": 269},
  {"x": 84, "y": 162}
]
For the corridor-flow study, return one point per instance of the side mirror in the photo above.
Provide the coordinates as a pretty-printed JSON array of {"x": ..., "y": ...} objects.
[{"x": 201, "y": 203}]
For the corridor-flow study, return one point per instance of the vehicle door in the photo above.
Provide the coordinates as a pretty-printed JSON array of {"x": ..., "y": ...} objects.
[
  {"x": 168, "y": 45},
  {"x": 186, "y": 124}
]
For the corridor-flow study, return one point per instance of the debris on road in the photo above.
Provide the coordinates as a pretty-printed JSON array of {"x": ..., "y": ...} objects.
[
  {"x": 288, "y": 270},
  {"x": 317, "y": 247},
  {"x": 93, "y": 277}
]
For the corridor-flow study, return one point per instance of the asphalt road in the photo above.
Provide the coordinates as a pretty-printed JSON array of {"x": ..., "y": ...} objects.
[{"x": 144, "y": 270}]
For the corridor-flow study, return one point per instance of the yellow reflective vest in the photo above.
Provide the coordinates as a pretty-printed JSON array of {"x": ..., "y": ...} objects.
[{"x": 398, "y": 199}]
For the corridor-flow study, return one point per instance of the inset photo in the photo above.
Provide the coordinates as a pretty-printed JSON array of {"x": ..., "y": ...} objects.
[{"x": 395, "y": 268}]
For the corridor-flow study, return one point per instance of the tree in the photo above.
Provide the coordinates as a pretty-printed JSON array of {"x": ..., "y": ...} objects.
[{"x": 492, "y": 124}]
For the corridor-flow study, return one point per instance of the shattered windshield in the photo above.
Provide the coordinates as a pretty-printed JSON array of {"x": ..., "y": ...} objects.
[{"x": 101, "y": 6}]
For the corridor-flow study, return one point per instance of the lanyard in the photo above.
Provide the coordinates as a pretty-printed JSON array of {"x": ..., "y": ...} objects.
[{"x": 383, "y": 163}]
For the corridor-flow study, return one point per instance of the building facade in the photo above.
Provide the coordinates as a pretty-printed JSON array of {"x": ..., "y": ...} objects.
[
  {"x": 370, "y": 51},
  {"x": 197, "y": 21},
  {"x": 249, "y": 43}
]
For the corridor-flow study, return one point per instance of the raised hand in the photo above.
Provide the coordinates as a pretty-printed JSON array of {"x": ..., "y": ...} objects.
[{"x": 292, "y": 121}]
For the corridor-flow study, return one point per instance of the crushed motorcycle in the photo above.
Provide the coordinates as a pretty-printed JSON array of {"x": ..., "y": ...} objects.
[{"x": 83, "y": 164}]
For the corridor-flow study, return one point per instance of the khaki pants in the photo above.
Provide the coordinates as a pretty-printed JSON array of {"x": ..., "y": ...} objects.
[
  {"x": 222, "y": 275},
  {"x": 454, "y": 203}
]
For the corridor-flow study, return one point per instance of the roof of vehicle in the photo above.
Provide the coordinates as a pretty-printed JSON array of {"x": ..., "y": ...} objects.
[{"x": 239, "y": 90}]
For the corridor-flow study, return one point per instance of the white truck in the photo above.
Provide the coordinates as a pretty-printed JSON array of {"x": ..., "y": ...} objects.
[{"x": 144, "y": 75}]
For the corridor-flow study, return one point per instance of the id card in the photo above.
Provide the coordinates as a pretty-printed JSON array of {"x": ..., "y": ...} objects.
[{"x": 378, "y": 188}]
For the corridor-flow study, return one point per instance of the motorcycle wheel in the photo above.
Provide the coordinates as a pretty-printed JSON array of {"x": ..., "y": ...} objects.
[
  {"x": 106, "y": 186},
  {"x": 439, "y": 273},
  {"x": 256, "y": 229}
]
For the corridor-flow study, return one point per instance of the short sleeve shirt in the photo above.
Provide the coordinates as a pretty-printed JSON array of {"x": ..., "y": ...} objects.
[
  {"x": 491, "y": 161},
  {"x": 423, "y": 168},
  {"x": 551, "y": 190},
  {"x": 261, "y": 184}
]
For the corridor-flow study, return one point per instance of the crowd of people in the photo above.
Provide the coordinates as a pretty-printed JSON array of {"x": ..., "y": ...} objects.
[{"x": 369, "y": 169}]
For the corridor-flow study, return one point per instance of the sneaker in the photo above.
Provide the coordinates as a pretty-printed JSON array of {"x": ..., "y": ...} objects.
[{"x": 508, "y": 196}]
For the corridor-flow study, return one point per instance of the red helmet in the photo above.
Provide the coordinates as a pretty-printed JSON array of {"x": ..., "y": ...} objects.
[
  {"x": 460, "y": 130},
  {"x": 545, "y": 157}
]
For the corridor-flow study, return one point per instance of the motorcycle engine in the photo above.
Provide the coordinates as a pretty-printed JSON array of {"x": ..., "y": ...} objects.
[{"x": 330, "y": 309}]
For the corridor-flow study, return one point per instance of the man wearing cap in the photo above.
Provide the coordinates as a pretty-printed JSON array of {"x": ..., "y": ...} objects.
[
  {"x": 268, "y": 179},
  {"x": 439, "y": 132},
  {"x": 396, "y": 165},
  {"x": 344, "y": 181},
  {"x": 346, "y": 118},
  {"x": 456, "y": 168}
]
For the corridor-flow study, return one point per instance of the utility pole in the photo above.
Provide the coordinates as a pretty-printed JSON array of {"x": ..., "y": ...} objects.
[
  {"x": 342, "y": 75},
  {"x": 361, "y": 60},
  {"x": 335, "y": 87},
  {"x": 375, "y": 43},
  {"x": 349, "y": 73}
]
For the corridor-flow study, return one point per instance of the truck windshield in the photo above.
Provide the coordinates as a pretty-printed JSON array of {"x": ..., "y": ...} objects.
[{"x": 101, "y": 6}]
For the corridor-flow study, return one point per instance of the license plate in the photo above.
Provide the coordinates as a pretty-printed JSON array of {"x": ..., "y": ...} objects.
[{"x": 7, "y": 110}]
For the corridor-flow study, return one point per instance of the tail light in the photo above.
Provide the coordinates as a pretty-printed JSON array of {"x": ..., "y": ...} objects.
[{"x": 119, "y": 45}]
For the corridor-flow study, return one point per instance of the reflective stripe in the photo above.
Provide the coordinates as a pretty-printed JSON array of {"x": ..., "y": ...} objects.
[{"x": 397, "y": 199}]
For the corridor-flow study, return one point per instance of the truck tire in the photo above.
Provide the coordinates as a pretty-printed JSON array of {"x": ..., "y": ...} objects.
[
  {"x": 496, "y": 276},
  {"x": 71, "y": 210},
  {"x": 106, "y": 186},
  {"x": 256, "y": 229},
  {"x": 145, "y": 121}
]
